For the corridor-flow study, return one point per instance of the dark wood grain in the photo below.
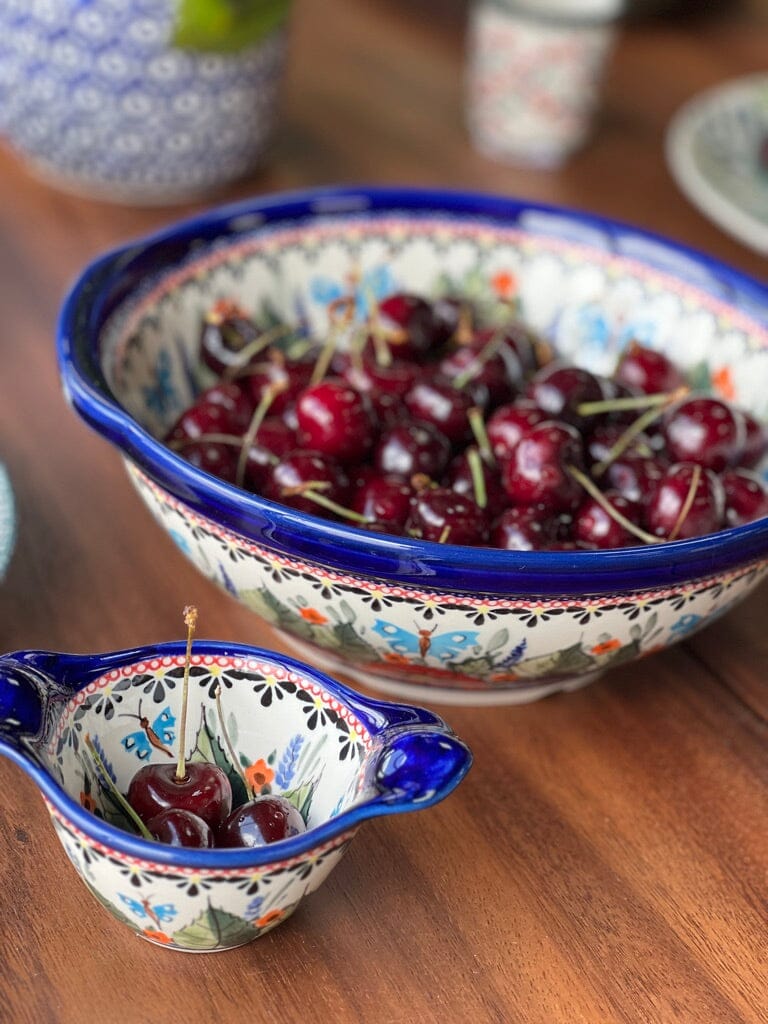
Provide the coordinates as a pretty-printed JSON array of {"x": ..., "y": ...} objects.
[{"x": 606, "y": 859}]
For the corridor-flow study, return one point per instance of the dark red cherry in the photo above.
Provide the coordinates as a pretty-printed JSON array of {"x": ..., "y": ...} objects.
[
  {"x": 204, "y": 790},
  {"x": 559, "y": 389},
  {"x": 634, "y": 476},
  {"x": 501, "y": 374},
  {"x": 263, "y": 820},
  {"x": 221, "y": 409},
  {"x": 412, "y": 448},
  {"x": 220, "y": 460},
  {"x": 385, "y": 386},
  {"x": 302, "y": 469},
  {"x": 227, "y": 330},
  {"x": 666, "y": 503},
  {"x": 523, "y": 528},
  {"x": 537, "y": 471},
  {"x": 274, "y": 439},
  {"x": 704, "y": 430},
  {"x": 385, "y": 499},
  {"x": 285, "y": 379},
  {"x": 594, "y": 525},
  {"x": 746, "y": 497},
  {"x": 409, "y": 325},
  {"x": 647, "y": 371},
  {"x": 177, "y": 827},
  {"x": 335, "y": 419},
  {"x": 755, "y": 442},
  {"x": 460, "y": 478},
  {"x": 511, "y": 422},
  {"x": 601, "y": 438},
  {"x": 445, "y": 407},
  {"x": 440, "y": 514}
]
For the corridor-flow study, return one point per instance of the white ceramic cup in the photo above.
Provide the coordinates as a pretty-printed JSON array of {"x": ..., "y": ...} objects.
[{"x": 533, "y": 76}]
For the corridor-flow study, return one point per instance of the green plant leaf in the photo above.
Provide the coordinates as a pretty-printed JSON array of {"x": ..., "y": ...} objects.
[
  {"x": 301, "y": 797},
  {"x": 226, "y": 26},
  {"x": 215, "y": 928},
  {"x": 207, "y": 748}
]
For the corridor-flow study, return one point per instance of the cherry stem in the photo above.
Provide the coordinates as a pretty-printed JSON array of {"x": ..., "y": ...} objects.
[
  {"x": 310, "y": 489},
  {"x": 380, "y": 346},
  {"x": 109, "y": 783},
  {"x": 477, "y": 423},
  {"x": 464, "y": 332},
  {"x": 445, "y": 534},
  {"x": 594, "y": 492},
  {"x": 689, "y": 499},
  {"x": 635, "y": 428},
  {"x": 185, "y": 442},
  {"x": 475, "y": 365},
  {"x": 270, "y": 394},
  {"x": 478, "y": 476},
  {"x": 630, "y": 402},
  {"x": 232, "y": 755},
  {"x": 246, "y": 354},
  {"x": 190, "y": 621}
]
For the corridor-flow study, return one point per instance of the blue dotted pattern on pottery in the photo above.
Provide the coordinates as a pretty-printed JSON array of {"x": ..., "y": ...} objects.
[{"x": 92, "y": 92}]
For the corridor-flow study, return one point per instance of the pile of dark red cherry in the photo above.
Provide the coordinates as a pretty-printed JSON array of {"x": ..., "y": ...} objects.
[{"x": 431, "y": 425}]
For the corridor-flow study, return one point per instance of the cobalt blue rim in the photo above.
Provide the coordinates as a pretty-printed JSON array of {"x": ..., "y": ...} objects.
[
  {"x": 385, "y": 720},
  {"x": 111, "y": 278}
]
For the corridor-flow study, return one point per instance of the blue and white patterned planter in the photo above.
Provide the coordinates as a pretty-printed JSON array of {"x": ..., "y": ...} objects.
[{"x": 95, "y": 98}]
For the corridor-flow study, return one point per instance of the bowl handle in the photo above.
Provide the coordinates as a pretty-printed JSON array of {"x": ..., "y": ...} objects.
[
  {"x": 417, "y": 767},
  {"x": 23, "y": 699}
]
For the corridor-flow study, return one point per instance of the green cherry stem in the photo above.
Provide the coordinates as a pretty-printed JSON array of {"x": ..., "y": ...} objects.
[
  {"x": 310, "y": 490},
  {"x": 629, "y": 402},
  {"x": 635, "y": 428},
  {"x": 270, "y": 394},
  {"x": 594, "y": 492},
  {"x": 689, "y": 498},
  {"x": 478, "y": 477},
  {"x": 477, "y": 423},
  {"x": 110, "y": 784},
  {"x": 228, "y": 743},
  {"x": 190, "y": 621}
]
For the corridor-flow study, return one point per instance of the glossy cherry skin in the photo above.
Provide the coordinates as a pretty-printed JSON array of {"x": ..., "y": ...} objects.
[
  {"x": 634, "y": 476},
  {"x": 299, "y": 469},
  {"x": 755, "y": 442},
  {"x": 667, "y": 501},
  {"x": 221, "y": 409},
  {"x": 647, "y": 371},
  {"x": 286, "y": 379},
  {"x": 460, "y": 478},
  {"x": 746, "y": 497},
  {"x": 385, "y": 499},
  {"x": 704, "y": 430},
  {"x": 335, "y": 419},
  {"x": 441, "y": 514},
  {"x": 204, "y": 790},
  {"x": 511, "y": 422},
  {"x": 601, "y": 438},
  {"x": 263, "y": 820},
  {"x": 559, "y": 389},
  {"x": 593, "y": 525},
  {"x": 412, "y": 448},
  {"x": 385, "y": 386},
  {"x": 177, "y": 827},
  {"x": 274, "y": 439},
  {"x": 411, "y": 317},
  {"x": 523, "y": 528},
  {"x": 501, "y": 374},
  {"x": 220, "y": 460},
  {"x": 445, "y": 407},
  {"x": 227, "y": 329},
  {"x": 537, "y": 471}
]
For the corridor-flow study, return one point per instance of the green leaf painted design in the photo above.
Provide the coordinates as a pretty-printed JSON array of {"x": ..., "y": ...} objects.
[
  {"x": 699, "y": 377},
  {"x": 226, "y": 26},
  {"x": 499, "y": 639},
  {"x": 568, "y": 660},
  {"x": 214, "y": 928},
  {"x": 208, "y": 748},
  {"x": 301, "y": 797}
]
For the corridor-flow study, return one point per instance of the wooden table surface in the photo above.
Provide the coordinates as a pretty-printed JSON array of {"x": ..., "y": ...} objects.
[{"x": 606, "y": 858}]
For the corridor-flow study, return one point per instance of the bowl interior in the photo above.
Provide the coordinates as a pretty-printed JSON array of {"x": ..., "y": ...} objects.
[
  {"x": 288, "y": 735},
  {"x": 586, "y": 292}
]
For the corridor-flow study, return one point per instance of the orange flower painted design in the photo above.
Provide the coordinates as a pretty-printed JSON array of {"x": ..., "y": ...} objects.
[
  {"x": 722, "y": 382},
  {"x": 606, "y": 646},
  {"x": 269, "y": 918},
  {"x": 259, "y": 774},
  {"x": 313, "y": 615},
  {"x": 157, "y": 936},
  {"x": 504, "y": 283},
  {"x": 87, "y": 802}
]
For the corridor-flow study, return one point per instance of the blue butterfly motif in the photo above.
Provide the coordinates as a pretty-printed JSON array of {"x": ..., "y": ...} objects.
[
  {"x": 160, "y": 912},
  {"x": 376, "y": 283},
  {"x": 444, "y": 646},
  {"x": 161, "y": 727}
]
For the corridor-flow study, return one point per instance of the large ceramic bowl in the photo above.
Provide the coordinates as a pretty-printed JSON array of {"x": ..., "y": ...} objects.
[
  {"x": 338, "y": 757},
  {"x": 418, "y": 618}
]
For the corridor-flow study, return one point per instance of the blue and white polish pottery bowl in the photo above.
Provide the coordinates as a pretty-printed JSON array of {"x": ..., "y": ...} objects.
[
  {"x": 429, "y": 621},
  {"x": 97, "y": 99},
  {"x": 338, "y": 757}
]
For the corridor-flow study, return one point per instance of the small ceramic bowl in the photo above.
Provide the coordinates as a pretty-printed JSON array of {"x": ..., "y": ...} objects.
[
  {"x": 339, "y": 757},
  {"x": 425, "y": 620}
]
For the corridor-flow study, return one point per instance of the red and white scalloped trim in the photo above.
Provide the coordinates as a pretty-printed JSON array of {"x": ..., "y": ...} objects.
[
  {"x": 425, "y": 596},
  {"x": 170, "y": 869}
]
